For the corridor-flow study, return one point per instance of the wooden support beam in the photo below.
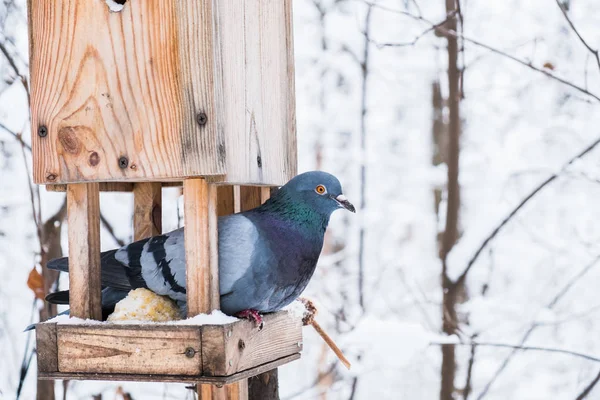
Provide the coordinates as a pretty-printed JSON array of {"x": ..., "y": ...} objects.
[
  {"x": 147, "y": 210},
  {"x": 237, "y": 390},
  {"x": 112, "y": 186},
  {"x": 201, "y": 236},
  {"x": 225, "y": 201},
  {"x": 83, "y": 208},
  {"x": 250, "y": 197},
  {"x": 266, "y": 385},
  {"x": 201, "y": 251}
]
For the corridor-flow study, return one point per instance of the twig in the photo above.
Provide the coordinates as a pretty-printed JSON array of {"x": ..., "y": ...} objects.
[
  {"x": 559, "y": 295},
  {"x": 16, "y": 135},
  {"x": 309, "y": 319},
  {"x": 331, "y": 344},
  {"x": 521, "y": 347},
  {"x": 111, "y": 230},
  {"x": 588, "y": 388},
  {"x": 467, "y": 388},
  {"x": 515, "y": 210},
  {"x": 581, "y": 39},
  {"x": 418, "y": 37}
]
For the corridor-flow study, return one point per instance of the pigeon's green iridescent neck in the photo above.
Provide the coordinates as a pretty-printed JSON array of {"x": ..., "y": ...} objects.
[{"x": 286, "y": 208}]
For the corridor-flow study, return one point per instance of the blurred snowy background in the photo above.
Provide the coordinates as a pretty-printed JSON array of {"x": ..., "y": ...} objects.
[{"x": 378, "y": 107}]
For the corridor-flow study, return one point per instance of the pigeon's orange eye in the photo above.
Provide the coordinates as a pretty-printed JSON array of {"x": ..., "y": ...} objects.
[{"x": 320, "y": 189}]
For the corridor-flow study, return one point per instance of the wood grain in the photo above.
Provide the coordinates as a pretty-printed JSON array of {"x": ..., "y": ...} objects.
[
  {"x": 147, "y": 210},
  {"x": 46, "y": 348},
  {"x": 246, "y": 346},
  {"x": 255, "y": 89},
  {"x": 129, "y": 350},
  {"x": 202, "y": 275},
  {"x": 225, "y": 200},
  {"x": 211, "y": 380},
  {"x": 108, "y": 85},
  {"x": 250, "y": 197},
  {"x": 264, "y": 386},
  {"x": 112, "y": 186},
  {"x": 83, "y": 216}
]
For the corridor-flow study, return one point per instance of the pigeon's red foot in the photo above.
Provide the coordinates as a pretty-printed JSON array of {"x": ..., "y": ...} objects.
[{"x": 252, "y": 315}]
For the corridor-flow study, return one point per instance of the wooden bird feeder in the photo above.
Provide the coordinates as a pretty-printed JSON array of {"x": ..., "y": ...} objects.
[{"x": 198, "y": 93}]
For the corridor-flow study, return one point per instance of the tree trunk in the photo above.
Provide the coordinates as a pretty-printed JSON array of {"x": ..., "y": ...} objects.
[{"x": 450, "y": 236}]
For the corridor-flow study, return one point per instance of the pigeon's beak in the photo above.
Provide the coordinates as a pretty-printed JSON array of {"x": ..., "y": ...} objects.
[{"x": 343, "y": 202}]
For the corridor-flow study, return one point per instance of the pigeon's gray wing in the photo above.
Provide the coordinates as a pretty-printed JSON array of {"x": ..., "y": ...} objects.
[
  {"x": 159, "y": 262},
  {"x": 238, "y": 238}
]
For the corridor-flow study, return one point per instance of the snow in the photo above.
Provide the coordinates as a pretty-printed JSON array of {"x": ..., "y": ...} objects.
[
  {"x": 216, "y": 317},
  {"x": 296, "y": 309},
  {"x": 66, "y": 320}
]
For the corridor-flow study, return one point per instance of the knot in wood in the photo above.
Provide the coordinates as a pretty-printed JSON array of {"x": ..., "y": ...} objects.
[
  {"x": 190, "y": 352},
  {"x": 241, "y": 345}
]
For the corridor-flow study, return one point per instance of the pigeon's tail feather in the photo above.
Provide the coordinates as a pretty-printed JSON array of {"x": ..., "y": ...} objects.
[
  {"x": 114, "y": 272},
  {"x": 59, "y": 264},
  {"x": 110, "y": 297},
  {"x": 61, "y": 297}
]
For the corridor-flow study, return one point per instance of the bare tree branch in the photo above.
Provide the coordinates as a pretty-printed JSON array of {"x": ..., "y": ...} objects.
[
  {"x": 581, "y": 39},
  {"x": 521, "y": 347},
  {"x": 515, "y": 210},
  {"x": 16, "y": 135},
  {"x": 588, "y": 388},
  {"x": 477, "y": 43},
  {"x": 111, "y": 230},
  {"x": 559, "y": 295}
]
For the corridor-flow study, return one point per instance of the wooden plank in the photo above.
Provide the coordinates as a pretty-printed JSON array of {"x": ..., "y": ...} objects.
[
  {"x": 129, "y": 350},
  {"x": 255, "y": 90},
  {"x": 211, "y": 380},
  {"x": 246, "y": 346},
  {"x": 111, "y": 85},
  {"x": 225, "y": 200},
  {"x": 250, "y": 197},
  {"x": 202, "y": 275},
  {"x": 112, "y": 186},
  {"x": 147, "y": 210},
  {"x": 46, "y": 347},
  {"x": 83, "y": 208},
  {"x": 265, "y": 194}
]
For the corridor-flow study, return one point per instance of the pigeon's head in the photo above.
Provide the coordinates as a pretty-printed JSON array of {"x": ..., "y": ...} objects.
[{"x": 320, "y": 190}]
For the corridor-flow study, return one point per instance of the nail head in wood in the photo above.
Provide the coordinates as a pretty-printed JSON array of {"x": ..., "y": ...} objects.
[
  {"x": 42, "y": 131},
  {"x": 190, "y": 352},
  {"x": 201, "y": 118},
  {"x": 123, "y": 162}
]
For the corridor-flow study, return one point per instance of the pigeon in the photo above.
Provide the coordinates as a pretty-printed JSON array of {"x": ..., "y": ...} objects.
[{"x": 267, "y": 255}]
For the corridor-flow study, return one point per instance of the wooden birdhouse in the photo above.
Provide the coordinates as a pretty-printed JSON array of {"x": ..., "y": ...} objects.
[{"x": 198, "y": 93}]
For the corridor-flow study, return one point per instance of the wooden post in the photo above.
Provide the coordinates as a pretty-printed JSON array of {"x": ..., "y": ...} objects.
[
  {"x": 266, "y": 385},
  {"x": 201, "y": 246},
  {"x": 238, "y": 390},
  {"x": 83, "y": 208},
  {"x": 201, "y": 252},
  {"x": 147, "y": 214}
]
